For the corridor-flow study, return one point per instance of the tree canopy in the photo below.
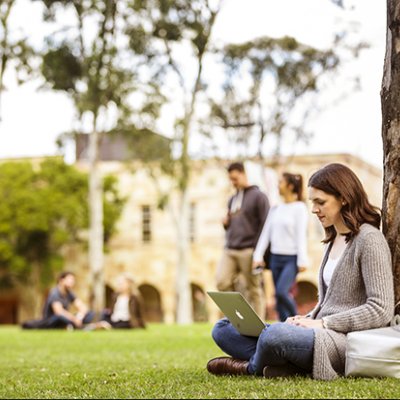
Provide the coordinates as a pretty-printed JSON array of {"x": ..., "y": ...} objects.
[
  {"x": 43, "y": 209},
  {"x": 268, "y": 87},
  {"x": 14, "y": 48}
]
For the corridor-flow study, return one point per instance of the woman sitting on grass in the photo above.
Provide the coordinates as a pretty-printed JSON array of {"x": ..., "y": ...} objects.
[
  {"x": 355, "y": 291},
  {"x": 127, "y": 309}
]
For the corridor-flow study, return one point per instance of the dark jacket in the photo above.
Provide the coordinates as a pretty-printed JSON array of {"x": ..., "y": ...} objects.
[
  {"x": 245, "y": 225},
  {"x": 135, "y": 311}
]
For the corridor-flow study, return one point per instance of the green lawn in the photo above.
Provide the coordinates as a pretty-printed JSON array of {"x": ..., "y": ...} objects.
[{"x": 160, "y": 362}]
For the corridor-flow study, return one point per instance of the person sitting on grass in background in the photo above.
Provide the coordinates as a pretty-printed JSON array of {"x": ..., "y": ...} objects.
[
  {"x": 127, "y": 308},
  {"x": 355, "y": 291},
  {"x": 56, "y": 314}
]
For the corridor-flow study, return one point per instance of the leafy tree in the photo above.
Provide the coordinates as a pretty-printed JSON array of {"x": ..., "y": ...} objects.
[
  {"x": 43, "y": 209},
  {"x": 14, "y": 50},
  {"x": 89, "y": 61},
  {"x": 390, "y": 98},
  {"x": 281, "y": 75},
  {"x": 173, "y": 37}
]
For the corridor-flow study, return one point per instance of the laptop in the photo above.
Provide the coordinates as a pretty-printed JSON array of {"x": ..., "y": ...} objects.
[{"x": 239, "y": 312}]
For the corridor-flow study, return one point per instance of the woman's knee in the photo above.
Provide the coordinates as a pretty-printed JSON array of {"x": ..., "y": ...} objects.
[
  {"x": 219, "y": 329},
  {"x": 282, "y": 336},
  {"x": 274, "y": 336}
]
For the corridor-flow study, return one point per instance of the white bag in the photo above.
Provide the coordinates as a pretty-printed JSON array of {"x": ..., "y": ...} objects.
[{"x": 374, "y": 352}]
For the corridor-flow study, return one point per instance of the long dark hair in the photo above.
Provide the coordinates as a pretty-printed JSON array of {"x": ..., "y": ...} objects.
[
  {"x": 341, "y": 182},
  {"x": 296, "y": 180}
]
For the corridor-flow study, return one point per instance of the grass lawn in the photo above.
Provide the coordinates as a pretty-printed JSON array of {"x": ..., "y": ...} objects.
[{"x": 161, "y": 362}]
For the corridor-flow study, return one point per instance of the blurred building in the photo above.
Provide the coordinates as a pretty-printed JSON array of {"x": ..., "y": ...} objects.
[{"x": 145, "y": 244}]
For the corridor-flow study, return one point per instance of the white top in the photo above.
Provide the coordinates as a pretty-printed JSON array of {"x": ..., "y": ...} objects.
[
  {"x": 331, "y": 264},
  {"x": 329, "y": 268},
  {"x": 286, "y": 229},
  {"x": 121, "y": 309}
]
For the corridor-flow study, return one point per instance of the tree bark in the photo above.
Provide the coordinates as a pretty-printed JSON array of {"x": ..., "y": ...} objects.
[
  {"x": 184, "y": 309},
  {"x": 96, "y": 234},
  {"x": 184, "y": 292},
  {"x": 390, "y": 100}
]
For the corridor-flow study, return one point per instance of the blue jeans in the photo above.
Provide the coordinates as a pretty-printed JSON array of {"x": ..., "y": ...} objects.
[
  {"x": 284, "y": 270},
  {"x": 279, "y": 344}
]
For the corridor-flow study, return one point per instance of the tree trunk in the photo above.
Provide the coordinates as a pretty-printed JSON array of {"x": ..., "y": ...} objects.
[
  {"x": 184, "y": 310},
  {"x": 96, "y": 234},
  {"x": 184, "y": 307},
  {"x": 390, "y": 99},
  {"x": 184, "y": 292}
]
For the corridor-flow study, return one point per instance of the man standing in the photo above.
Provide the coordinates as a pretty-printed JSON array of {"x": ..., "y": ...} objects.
[
  {"x": 56, "y": 312},
  {"x": 247, "y": 211}
]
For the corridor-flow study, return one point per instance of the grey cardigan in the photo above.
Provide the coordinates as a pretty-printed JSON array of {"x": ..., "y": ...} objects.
[{"x": 360, "y": 296}]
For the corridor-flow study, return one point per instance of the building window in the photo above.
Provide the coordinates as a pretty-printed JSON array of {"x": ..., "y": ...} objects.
[
  {"x": 192, "y": 222},
  {"x": 146, "y": 224}
]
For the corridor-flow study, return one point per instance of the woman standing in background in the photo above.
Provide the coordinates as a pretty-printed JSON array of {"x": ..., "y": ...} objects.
[{"x": 285, "y": 231}]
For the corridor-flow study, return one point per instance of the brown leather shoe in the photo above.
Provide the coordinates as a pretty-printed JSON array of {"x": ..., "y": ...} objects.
[
  {"x": 227, "y": 366},
  {"x": 282, "y": 371}
]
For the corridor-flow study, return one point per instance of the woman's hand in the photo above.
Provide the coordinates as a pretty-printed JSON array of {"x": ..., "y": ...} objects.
[
  {"x": 258, "y": 264},
  {"x": 300, "y": 320},
  {"x": 290, "y": 320}
]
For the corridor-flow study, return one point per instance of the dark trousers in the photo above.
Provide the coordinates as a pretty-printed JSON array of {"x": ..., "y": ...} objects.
[
  {"x": 106, "y": 316},
  {"x": 59, "y": 321},
  {"x": 56, "y": 322}
]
